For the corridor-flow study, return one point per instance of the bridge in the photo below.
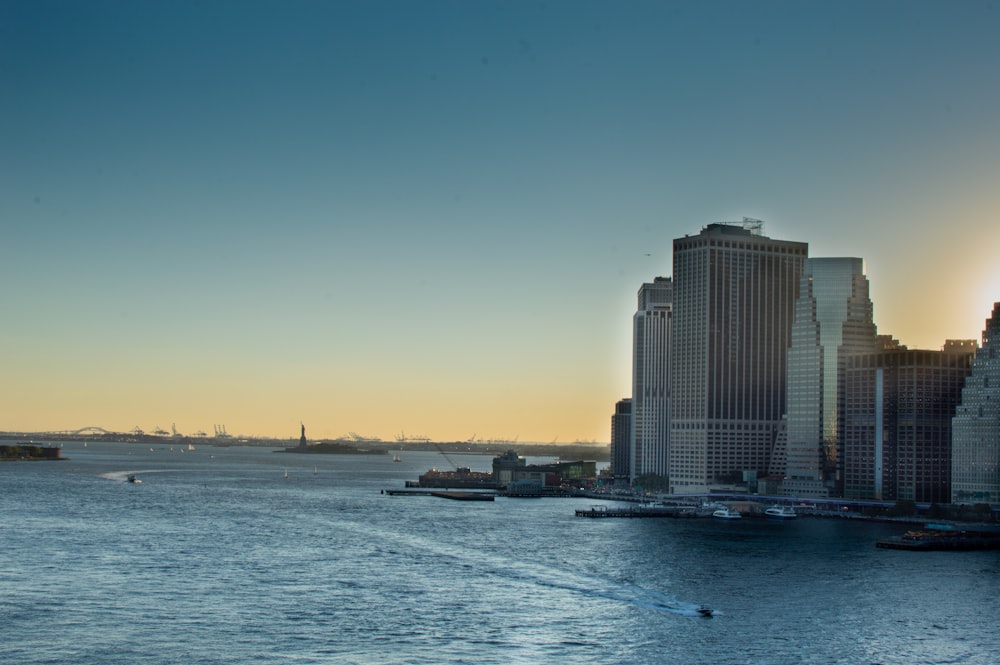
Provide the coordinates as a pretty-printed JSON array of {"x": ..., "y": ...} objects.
[
  {"x": 83, "y": 431},
  {"x": 89, "y": 431}
]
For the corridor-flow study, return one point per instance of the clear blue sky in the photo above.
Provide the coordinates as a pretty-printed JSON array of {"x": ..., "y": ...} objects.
[{"x": 433, "y": 217}]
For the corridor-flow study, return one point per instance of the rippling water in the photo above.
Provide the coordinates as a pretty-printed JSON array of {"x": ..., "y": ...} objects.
[{"x": 218, "y": 558}]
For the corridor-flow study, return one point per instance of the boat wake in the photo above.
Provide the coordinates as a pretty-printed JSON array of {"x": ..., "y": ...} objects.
[
  {"x": 546, "y": 576},
  {"x": 123, "y": 476},
  {"x": 611, "y": 590}
]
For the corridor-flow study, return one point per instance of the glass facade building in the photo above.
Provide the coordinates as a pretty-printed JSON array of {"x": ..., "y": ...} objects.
[{"x": 833, "y": 318}]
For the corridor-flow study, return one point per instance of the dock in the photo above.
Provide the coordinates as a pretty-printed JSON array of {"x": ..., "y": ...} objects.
[
  {"x": 464, "y": 496},
  {"x": 444, "y": 494},
  {"x": 598, "y": 512}
]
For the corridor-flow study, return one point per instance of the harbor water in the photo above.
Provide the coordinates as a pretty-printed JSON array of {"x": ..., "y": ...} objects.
[{"x": 244, "y": 555}]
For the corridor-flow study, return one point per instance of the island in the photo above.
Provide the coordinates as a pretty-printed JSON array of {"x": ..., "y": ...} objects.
[
  {"x": 329, "y": 448},
  {"x": 29, "y": 452}
]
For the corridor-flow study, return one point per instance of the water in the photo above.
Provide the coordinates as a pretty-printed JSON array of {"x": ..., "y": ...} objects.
[{"x": 218, "y": 558}]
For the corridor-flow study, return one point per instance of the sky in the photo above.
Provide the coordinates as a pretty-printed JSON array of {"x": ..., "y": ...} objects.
[{"x": 432, "y": 218}]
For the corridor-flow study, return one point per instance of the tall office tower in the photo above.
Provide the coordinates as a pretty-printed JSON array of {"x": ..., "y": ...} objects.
[
  {"x": 975, "y": 434},
  {"x": 859, "y": 336},
  {"x": 651, "y": 380},
  {"x": 621, "y": 441},
  {"x": 833, "y": 318},
  {"x": 734, "y": 302},
  {"x": 898, "y": 411}
]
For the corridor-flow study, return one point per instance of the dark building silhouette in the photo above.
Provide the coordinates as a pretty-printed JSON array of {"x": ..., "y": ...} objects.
[
  {"x": 896, "y": 434},
  {"x": 621, "y": 441}
]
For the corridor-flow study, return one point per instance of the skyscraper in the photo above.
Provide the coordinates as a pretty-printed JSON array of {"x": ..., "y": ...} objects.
[
  {"x": 621, "y": 441},
  {"x": 833, "y": 318},
  {"x": 896, "y": 433},
  {"x": 734, "y": 302},
  {"x": 975, "y": 462},
  {"x": 651, "y": 380}
]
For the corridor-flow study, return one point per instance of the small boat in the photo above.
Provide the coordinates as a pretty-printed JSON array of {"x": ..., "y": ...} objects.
[
  {"x": 781, "y": 512},
  {"x": 395, "y": 458},
  {"x": 134, "y": 480},
  {"x": 705, "y": 612},
  {"x": 727, "y": 514},
  {"x": 286, "y": 474}
]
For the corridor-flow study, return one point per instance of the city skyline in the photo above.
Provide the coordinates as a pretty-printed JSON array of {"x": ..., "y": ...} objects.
[{"x": 433, "y": 218}]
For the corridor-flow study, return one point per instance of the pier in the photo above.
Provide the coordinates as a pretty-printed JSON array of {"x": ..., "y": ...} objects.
[
  {"x": 637, "y": 511},
  {"x": 466, "y": 495}
]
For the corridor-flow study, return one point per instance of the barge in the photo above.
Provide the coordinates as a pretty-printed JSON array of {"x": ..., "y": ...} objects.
[
  {"x": 464, "y": 496},
  {"x": 945, "y": 537}
]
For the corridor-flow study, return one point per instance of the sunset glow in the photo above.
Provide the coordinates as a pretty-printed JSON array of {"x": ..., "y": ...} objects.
[{"x": 433, "y": 218}]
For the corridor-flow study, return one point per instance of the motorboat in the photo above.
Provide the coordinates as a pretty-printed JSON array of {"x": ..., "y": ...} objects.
[
  {"x": 705, "y": 612},
  {"x": 134, "y": 479},
  {"x": 726, "y": 513},
  {"x": 781, "y": 512}
]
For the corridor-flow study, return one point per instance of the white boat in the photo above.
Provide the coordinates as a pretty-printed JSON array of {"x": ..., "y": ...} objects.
[
  {"x": 781, "y": 512},
  {"x": 395, "y": 458},
  {"x": 727, "y": 514}
]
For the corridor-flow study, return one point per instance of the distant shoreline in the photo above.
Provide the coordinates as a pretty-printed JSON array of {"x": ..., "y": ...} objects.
[
  {"x": 600, "y": 452},
  {"x": 331, "y": 448}
]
